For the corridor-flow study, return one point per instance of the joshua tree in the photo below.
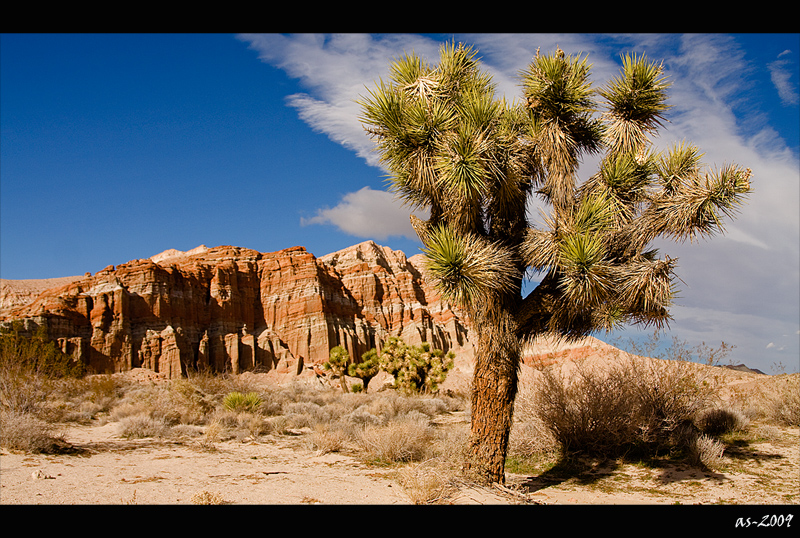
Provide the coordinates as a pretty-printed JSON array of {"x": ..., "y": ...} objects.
[
  {"x": 337, "y": 363},
  {"x": 415, "y": 368},
  {"x": 367, "y": 368},
  {"x": 475, "y": 162}
]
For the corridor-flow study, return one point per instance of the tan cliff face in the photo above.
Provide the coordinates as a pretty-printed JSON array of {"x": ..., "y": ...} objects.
[{"x": 235, "y": 309}]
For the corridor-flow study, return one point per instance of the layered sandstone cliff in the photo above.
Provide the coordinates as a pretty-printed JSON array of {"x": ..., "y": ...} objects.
[{"x": 235, "y": 309}]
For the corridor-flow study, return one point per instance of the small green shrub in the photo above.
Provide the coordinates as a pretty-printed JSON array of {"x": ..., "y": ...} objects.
[
  {"x": 36, "y": 354},
  {"x": 30, "y": 369},
  {"x": 239, "y": 402}
]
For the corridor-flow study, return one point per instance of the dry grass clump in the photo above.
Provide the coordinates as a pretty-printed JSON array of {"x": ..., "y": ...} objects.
[
  {"x": 326, "y": 438},
  {"x": 628, "y": 405},
  {"x": 405, "y": 439},
  {"x": 427, "y": 482},
  {"x": 142, "y": 425},
  {"x": 706, "y": 451},
  {"x": 84, "y": 399},
  {"x": 784, "y": 408},
  {"x": 207, "y": 498},
  {"x": 25, "y": 432},
  {"x": 717, "y": 421},
  {"x": 434, "y": 479},
  {"x": 171, "y": 403}
]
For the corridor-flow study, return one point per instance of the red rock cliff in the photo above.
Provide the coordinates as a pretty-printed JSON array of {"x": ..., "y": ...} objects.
[{"x": 235, "y": 309}]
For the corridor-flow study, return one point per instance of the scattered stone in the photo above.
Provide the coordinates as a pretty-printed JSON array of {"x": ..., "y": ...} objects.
[{"x": 41, "y": 475}]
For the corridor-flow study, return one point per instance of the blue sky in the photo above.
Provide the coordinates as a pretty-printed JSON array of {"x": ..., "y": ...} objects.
[{"x": 117, "y": 147}]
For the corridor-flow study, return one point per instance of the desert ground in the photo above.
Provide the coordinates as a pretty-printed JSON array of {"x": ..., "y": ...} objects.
[
  {"x": 104, "y": 468},
  {"x": 112, "y": 470}
]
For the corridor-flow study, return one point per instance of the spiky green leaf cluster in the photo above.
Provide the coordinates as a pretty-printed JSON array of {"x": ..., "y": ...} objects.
[
  {"x": 475, "y": 161},
  {"x": 368, "y": 368},
  {"x": 466, "y": 268},
  {"x": 338, "y": 361},
  {"x": 240, "y": 402},
  {"x": 636, "y": 103}
]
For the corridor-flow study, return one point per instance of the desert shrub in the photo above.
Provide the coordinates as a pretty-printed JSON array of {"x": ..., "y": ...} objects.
[
  {"x": 706, "y": 451},
  {"x": 29, "y": 368},
  {"x": 25, "y": 432},
  {"x": 404, "y": 439},
  {"x": 306, "y": 414},
  {"x": 256, "y": 425},
  {"x": 227, "y": 419},
  {"x": 213, "y": 433},
  {"x": 529, "y": 435},
  {"x": 277, "y": 424},
  {"x": 128, "y": 408},
  {"x": 630, "y": 404},
  {"x": 239, "y": 402},
  {"x": 784, "y": 408},
  {"x": 427, "y": 482},
  {"x": 35, "y": 355},
  {"x": 670, "y": 394},
  {"x": 332, "y": 437},
  {"x": 362, "y": 416},
  {"x": 716, "y": 421},
  {"x": 434, "y": 479},
  {"x": 186, "y": 430},
  {"x": 207, "y": 498},
  {"x": 592, "y": 412},
  {"x": 384, "y": 407},
  {"x": 141, "y": 426},
  {"x": 365, "y": 370},
  {"x": 171, "y": 403},
  {"x": 78, "y": 399}
]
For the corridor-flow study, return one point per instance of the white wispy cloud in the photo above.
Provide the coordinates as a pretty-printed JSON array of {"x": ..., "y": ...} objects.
[
  {"x": 336, "y": 70},
  {"x": 367, "y": 213},
  {"x": 782, "y": 79}
]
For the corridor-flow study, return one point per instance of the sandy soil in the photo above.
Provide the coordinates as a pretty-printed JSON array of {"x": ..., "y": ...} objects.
[{"x": 108, "y": 469}]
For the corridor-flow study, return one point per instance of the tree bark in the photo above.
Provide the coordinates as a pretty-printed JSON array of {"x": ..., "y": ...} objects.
[{"x": 494, "y": 388}]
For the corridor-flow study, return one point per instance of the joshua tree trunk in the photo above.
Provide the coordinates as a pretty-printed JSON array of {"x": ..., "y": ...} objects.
[{"x": 494, "y": 388}]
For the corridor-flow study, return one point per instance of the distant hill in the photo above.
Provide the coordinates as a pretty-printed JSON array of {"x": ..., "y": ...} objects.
[{"x": 743, "y": 368}]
